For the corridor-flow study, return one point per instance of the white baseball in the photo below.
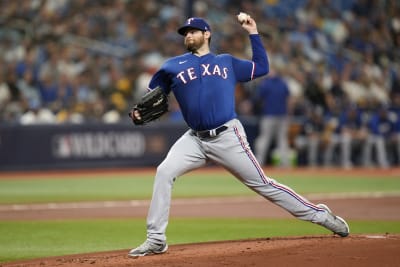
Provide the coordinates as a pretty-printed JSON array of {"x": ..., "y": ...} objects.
[{"x": 242, "y": 17}]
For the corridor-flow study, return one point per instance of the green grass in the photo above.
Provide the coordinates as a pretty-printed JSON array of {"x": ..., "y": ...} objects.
[
  {"x": 135, "y": 186},
  {"x": 35, "y": 239},
  {"x": 76, "y": 189}
]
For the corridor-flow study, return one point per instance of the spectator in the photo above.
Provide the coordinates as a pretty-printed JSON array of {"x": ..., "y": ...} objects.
[
  {"x": 28, "y": 89},
  {"x": 395, "y": 111},
  {"x": 37, "y": 115},
  {"x": 381, "y": 131},
  {"x": 310, "y": 140},
  {"x": 333, "y": 51},
  {"x": 274, "y": 97},
  {"x": 353, "y": 134},
  {"x": 5, "y": 94},
  {"x": 331, "y": 135}
]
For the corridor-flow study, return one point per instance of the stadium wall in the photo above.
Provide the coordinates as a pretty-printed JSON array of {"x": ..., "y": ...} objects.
[{"x": 46, "y": 147}]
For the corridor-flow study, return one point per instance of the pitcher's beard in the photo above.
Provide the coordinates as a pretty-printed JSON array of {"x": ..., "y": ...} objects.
[{"x": 194, "y": 46}]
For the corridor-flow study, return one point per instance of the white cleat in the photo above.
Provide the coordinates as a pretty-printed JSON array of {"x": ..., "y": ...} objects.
[
  {"x": 335, "y": 223},
  {"x": 148, "y": 248}
]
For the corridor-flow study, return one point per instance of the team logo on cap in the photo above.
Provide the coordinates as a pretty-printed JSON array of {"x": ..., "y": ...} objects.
[{"x": 189, "y": 20}]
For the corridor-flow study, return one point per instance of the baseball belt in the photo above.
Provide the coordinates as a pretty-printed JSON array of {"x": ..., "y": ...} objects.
[{"x": 210, "y": 133}]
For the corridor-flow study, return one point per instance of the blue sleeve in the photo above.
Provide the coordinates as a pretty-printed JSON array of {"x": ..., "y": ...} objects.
[
  {"x": 246, "y": 70},
  {"x": 160, "y": 78},
  {"x": 260, "y": 57}
]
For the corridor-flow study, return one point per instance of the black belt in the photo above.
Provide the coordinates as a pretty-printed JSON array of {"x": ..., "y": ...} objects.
[{"x": 210, "y": 133}]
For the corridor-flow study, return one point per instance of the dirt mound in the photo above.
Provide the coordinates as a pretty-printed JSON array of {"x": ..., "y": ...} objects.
[{"x": 355, "y": 250}]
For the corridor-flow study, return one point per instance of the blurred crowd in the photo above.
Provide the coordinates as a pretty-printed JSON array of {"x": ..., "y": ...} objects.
[{"x": 83, "y": 61}]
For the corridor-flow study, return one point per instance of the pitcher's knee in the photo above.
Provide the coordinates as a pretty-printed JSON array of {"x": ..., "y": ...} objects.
[{"x": 165, "y": 174}]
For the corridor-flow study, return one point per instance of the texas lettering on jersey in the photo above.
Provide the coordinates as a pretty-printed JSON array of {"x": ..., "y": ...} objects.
[
  {"x": 207, "y": 70},
  {"x": 204, "y": 87}
]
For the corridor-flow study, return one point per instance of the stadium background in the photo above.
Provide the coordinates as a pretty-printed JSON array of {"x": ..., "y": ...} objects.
[
  {"x": 86, "y": 62},
  {"x": 70, "y": 70}
]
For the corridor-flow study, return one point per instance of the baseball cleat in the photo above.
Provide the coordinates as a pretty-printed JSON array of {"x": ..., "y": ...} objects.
[
  {"x": 148, "y": 248},
  {"x": 334, "y": 223}
]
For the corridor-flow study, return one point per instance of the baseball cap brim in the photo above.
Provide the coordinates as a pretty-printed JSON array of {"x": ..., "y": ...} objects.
[
  {"x": 194, "y": 23},
  {"x": 184, "y": 29}
]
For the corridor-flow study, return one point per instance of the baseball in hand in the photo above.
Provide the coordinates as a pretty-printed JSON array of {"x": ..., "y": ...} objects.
[{"x": 242, "y": 17}]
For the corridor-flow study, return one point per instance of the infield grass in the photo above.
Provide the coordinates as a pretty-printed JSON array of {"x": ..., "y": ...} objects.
[
  {"x": 139, "y": 186},
  {"x": 26, "y": 240},
  {"x": 35, "y": 239}
]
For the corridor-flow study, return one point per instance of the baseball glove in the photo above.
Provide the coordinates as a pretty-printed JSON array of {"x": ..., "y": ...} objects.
[{"x": 152, "y": 106}]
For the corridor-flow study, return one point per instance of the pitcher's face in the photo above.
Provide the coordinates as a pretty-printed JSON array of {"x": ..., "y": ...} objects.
[{"x": 194, "y": 40}]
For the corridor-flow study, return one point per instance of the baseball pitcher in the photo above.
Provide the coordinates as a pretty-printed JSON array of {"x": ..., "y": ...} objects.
[{"x": 204, "y": 86}]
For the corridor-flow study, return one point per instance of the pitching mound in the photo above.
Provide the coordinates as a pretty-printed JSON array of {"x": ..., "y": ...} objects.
[{"x": 355, "y": 250}]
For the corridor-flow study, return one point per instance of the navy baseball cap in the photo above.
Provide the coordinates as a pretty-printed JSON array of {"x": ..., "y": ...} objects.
[{"x": 194, "y": 23}]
